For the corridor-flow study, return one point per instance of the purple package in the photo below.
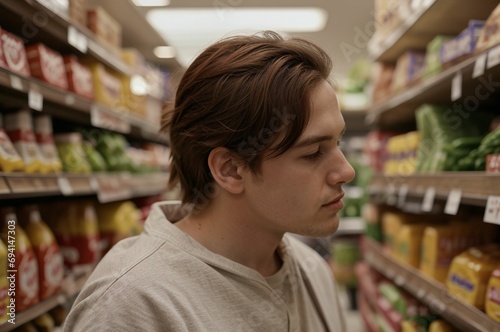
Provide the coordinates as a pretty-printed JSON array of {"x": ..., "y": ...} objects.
[{"x": 463, "y": 44}]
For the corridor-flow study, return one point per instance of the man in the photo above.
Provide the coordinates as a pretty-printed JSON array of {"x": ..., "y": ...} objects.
[{"x": 254, "y": 138}]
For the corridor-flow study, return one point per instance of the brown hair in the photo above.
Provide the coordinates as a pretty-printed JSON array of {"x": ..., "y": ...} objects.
[{"x": 241, "y": 93}]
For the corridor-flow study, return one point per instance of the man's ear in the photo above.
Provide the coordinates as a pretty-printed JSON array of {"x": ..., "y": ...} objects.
[{"x": 226, "y": 170}]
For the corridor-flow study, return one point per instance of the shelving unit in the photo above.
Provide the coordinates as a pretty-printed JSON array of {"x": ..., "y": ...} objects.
[
  {"x": 400, "y": 108},
  {"x": 108, "y": 187},
  {"x": 350, "y": 226},
  {"x": 430, "y": 292},
  {"x": 420, "y": 27},
  {"x": 71, "y": 287}
]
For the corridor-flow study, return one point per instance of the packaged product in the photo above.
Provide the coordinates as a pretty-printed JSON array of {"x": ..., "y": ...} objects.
[
  {"x": 4, "y": 282},
  {"x": 48, "y": 253},
  {"x": 77, "y": 232},
  {"x": 44, "y": 323},
  {"x": 10, "y": 160},
  {"x": 382, "y": 74},
  {"x": 107, "y": 86},
  {"x": 131, "y": 97},
  {"x": 19, "y": 127},
  {"x": 408, "y": 243},
  {"x": 117, "y": 221},
  {"x": 432, "y": 55},
  {"x": 409, "y": 67},
  {"x": 14, "y": 53},
  {"x": 391, "y": 225},
  {"x": 105, "y": 27},
  {"x": 438, "y": 250},
  {"x": 492, "y": 304},
  {"x": 440, "y": 326},
  {"x": 78, "y": 12},
  {"x": 95, "y": 160},
  {"x": 27, "y": 286},
  {"x": 462, "y": 45},
  {"x": 45, "y": 140},
  {"x": 79, "y": 76},
  {"x": 47, "y": 65},
  {"x": 345, "y": 254},
  {"x": 470, "y": 272},
  {"x": 489, "y": 35},
  {"x": 69, "y": 147}
]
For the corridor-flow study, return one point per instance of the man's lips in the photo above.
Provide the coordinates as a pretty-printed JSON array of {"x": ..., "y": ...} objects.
[{"x": 335, "y": 204}]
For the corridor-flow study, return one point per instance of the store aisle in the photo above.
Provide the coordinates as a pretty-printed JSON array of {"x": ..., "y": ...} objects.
[{"x": 353, "y": 318}]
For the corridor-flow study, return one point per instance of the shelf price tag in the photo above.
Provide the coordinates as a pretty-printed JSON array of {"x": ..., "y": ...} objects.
[
  {"x": 479, "y": 66},
  {"x": 493, "y": 57},
  {"x": 77, "y": 39},
  {"x": 492, "y": 212},
  {"x": 453, "y": 202},
  {"x": 16, "y": 83},
  {"x": 35, "y": 100},
  {"x": 391, "y": 195},
  {"x": 428, "y": 202},
  {"x": 65, "y": 186},
  {"x": 403, "y": 192},
  {"x": 456, "y": 87}
]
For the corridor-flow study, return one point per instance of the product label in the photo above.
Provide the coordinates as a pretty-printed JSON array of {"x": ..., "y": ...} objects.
[
  {"x": 52, "y": 276},
  {"x": 494, "y": 295},
  {"x": 14, "y": 54},
  {"x": 53, "y": 67},
  {"x": 27, "y": 276},
  {"x": 7, "y": 150},
  {"x": 82, "y": 80}
]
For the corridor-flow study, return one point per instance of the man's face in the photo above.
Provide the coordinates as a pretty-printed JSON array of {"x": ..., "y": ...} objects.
[{"x": 300, "y": 190}]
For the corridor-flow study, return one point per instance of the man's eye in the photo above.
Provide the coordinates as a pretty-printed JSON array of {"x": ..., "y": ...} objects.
[{"x": 316, "y": 155}]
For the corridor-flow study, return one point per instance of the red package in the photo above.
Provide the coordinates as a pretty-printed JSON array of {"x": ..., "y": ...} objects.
[
  {"x": 79, "y": 77},
  {"x": 2, "y": 57},
  {"x": 47, "y": 65},
  {"x": 14, "y": 53}
]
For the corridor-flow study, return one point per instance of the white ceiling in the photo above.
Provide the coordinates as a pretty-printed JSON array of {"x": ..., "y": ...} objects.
[{"x": 345, "y": 37}]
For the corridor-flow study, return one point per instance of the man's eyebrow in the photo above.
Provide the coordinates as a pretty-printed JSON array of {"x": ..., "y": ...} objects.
[
  {"x": 316, "y": 139},
  {"x": 312, "y": 140}
]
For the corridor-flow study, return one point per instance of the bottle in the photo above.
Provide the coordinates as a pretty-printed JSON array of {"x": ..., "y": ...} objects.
[
  {"x": 48, "y": 253},
  {"x": 24, "y": 266}
]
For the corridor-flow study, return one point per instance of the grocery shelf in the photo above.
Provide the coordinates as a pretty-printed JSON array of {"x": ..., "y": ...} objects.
[
  {"x": 108, "y": 187},
  {"x": 400, "y": 108},
  {"x": 53, "y": 29},
  {"x": 428, "y": 291},
  {"x": 475, "y": 187},
  {"x": 71, "y": 287},
  {"x": 424, "y": 23},
  {"x": 16, "y": 91},
  {"x": 350, "y": 226}
]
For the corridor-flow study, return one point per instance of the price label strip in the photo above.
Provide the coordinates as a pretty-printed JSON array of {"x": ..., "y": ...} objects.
[
  {"x": 428, "y": 202},
  {"x": 403, "y": 192},
  {"x": 77, "y": 39},
  {"x": 65, "y": 186},
  {"x": 479, "y": 66},
  {"x": 453, "y": 202},
  {"x": 35, "y": 100},
  {"x": 492, "y": 212},
  {"x": 16, "y": 83},
  {"x": 456, "y": 87},
  {"x": 391, "y": 198},
  {"x": 493, "y": 57}
]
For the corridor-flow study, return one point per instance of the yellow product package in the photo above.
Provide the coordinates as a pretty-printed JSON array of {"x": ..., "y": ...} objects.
[
  {"x": 470, "y": 272},
  {"x": 408, "y": 242},
  {"x": 437, "y": 251},
  {"x": 492, "y": 304},
  {"x": 440, "y": 326}
]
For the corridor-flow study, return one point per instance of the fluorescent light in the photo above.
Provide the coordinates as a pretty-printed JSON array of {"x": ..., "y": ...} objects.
[
  {"x": 151, "y": 3},
  {"x": 190, "y": 30},
  {"x": 138, "y": 85},
  {"x": 164, "y": 52}
]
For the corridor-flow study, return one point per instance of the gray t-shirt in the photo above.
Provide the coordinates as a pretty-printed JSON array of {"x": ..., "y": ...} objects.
[{"x": 163, "y": 280}]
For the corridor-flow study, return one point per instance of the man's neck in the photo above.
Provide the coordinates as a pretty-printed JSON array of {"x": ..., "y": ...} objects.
[{"x": 231, "y": 232}]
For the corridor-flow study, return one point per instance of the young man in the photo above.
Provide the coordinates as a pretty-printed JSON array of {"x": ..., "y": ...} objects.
[{"x": 254, "y": 136}]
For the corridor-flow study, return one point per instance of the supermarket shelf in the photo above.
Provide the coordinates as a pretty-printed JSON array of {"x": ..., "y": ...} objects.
[
  {"x": 476, "y": 187},
  {"x": 400, "y": 108},
  {"x": 53, "y": 29},
  {"x": 428, "y": 291},
  {"x": 422, "y": 25},
  {"x": 108, "y": 187},
  {"x": 71, "y": 287},
  {"x": 350, "y": 226},
  {"x": 16, "y": 91}
]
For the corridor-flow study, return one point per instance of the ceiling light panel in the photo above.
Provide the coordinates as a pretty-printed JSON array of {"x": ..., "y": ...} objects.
[{"x": 190, "y": 30}]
